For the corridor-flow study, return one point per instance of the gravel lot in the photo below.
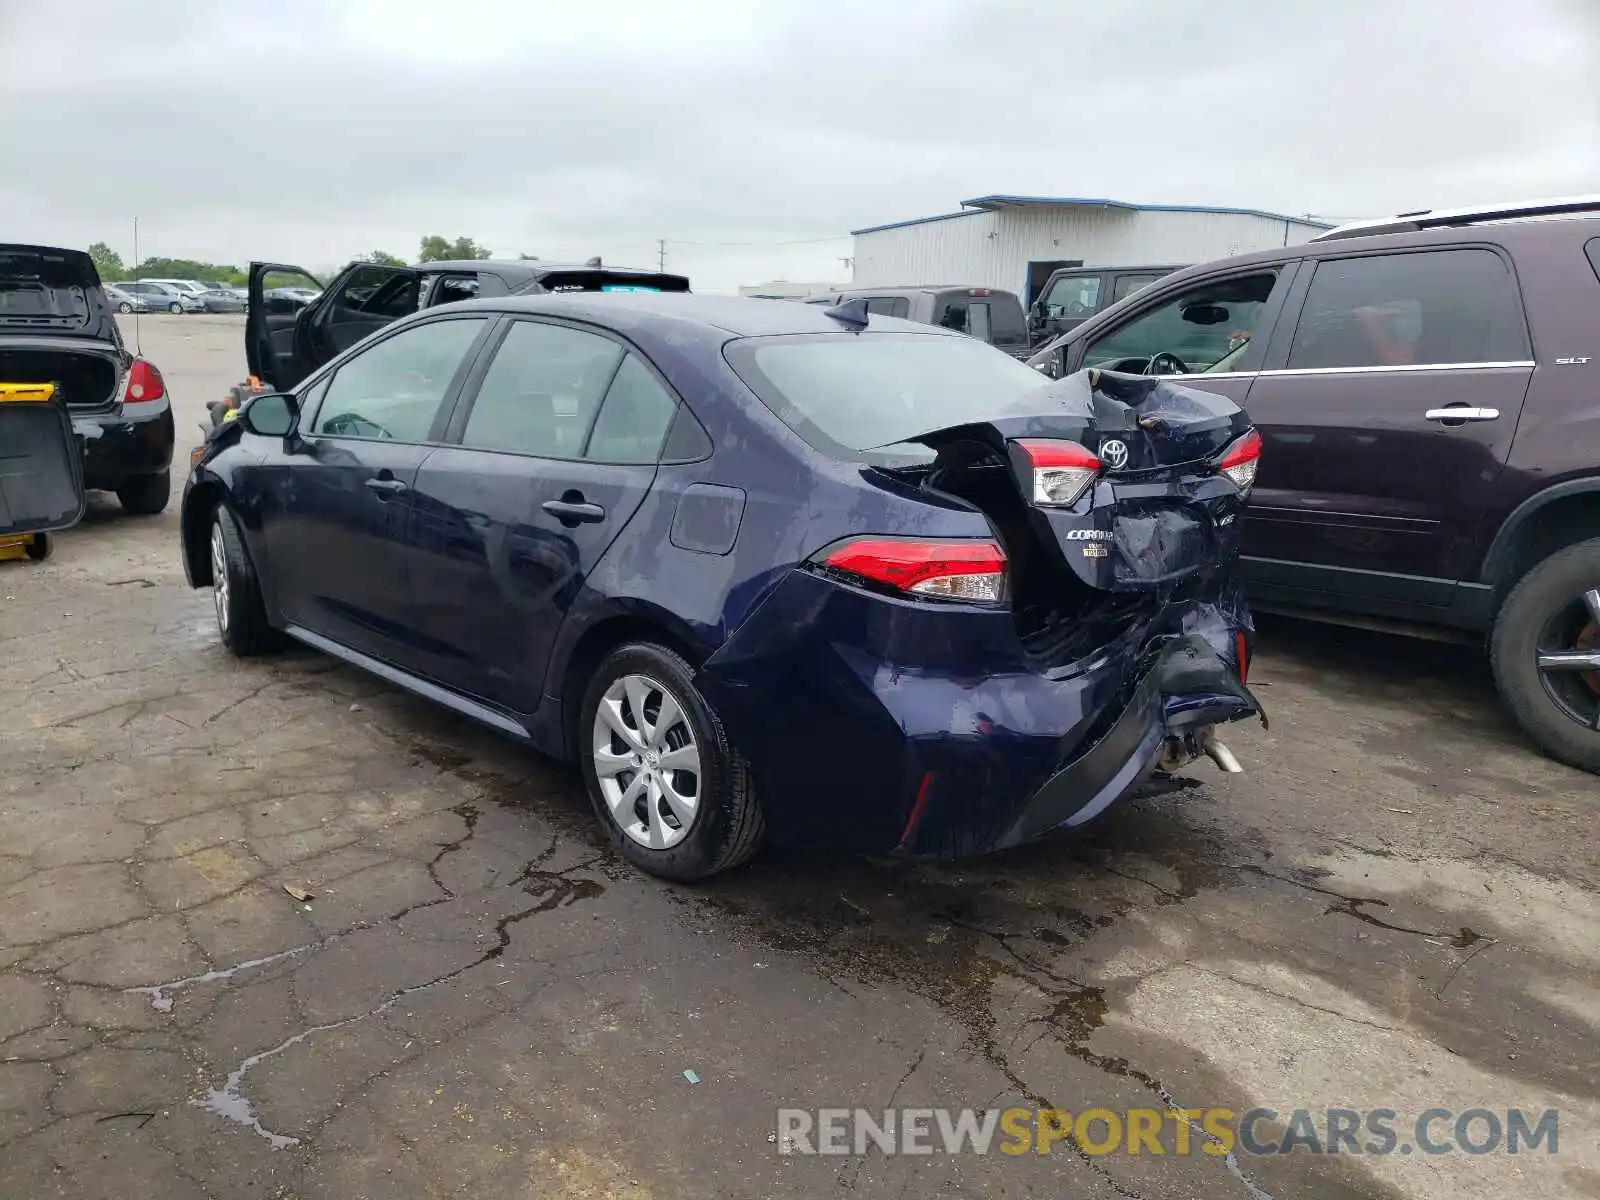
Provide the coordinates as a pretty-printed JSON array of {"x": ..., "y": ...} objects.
[{"x": 1394, "y": 907}]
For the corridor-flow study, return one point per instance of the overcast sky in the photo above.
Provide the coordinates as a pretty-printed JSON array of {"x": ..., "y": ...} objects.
[{"x": 310, "y": 131}]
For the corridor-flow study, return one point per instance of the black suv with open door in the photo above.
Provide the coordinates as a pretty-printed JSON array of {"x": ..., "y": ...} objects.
[
  {"x": 286, "y": 340},
  {"x": 1427, "y": 389}
]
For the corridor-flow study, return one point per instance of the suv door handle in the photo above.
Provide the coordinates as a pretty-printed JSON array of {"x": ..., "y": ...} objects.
[
  {"x": 1462, "y": 413},
  {"x": 574, "y": 512},
  {"x": 386, "y": 487}
]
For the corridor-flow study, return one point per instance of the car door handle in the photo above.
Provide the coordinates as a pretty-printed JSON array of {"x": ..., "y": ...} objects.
[
  {"x": 574, "y": 511},
  {"x": 1463, "y": 413},
  {"x": 387, "y": 487}
]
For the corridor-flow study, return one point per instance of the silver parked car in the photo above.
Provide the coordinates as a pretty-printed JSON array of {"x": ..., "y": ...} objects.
[
  {"x": 163, "y": 297},
  {"x": 225, "y": 300}
]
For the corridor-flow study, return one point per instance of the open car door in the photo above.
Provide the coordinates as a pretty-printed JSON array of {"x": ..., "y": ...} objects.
[{"x": 277, "y": 298}]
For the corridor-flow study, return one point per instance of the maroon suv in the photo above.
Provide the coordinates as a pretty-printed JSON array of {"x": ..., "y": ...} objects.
[{"x": 1428, "y": 389}]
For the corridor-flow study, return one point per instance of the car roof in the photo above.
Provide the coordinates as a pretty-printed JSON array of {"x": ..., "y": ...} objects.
[
  {"x": 909, "y": 289},
  {"x": 739, "y": 316},
  {"x": 1134, "y": 270},
  {"x": 525, "y": 267}
]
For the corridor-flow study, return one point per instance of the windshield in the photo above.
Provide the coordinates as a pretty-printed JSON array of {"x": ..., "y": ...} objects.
[{"x": 845, "y": 393}]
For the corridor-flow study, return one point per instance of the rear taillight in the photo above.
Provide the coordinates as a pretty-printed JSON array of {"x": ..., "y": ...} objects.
[
  {"x": 144, "y": 383},
  {"x": 1062, "y": 471},
  {"x": 967, "y": 570},
  {"x": 1240, "y": 460}
]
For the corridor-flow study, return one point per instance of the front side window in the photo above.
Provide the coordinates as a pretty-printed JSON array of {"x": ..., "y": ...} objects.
[
  {"x": 540, "y": 393},
  {"x": 1404, "y": 310},
  {"x": 393, "y": 390},
  {"x": 379, "y": 292},
  {"x": 1073, "y": 296},
  {"x": 451, "y": 288},
  {"x": 1203, "y": 328}
]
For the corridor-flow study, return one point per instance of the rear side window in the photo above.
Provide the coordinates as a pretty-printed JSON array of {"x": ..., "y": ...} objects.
[
  {"x": 844, "y": 393},
  {"x": 1593, "y": 249},
  {"x": 634, "y": 419},
  {"x": 1400, "y": 310},
  {"x": 1127, "y": 285},
  {"x": 952, "y": 314},
  {"x": 540, "y": 393},
  {"x": 889, "y": 306}
]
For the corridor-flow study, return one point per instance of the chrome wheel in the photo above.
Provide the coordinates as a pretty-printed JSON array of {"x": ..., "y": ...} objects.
[
  {"x": 1569, "y": 659},
  {"x": 647, "y": 762},
  {"x": 219, "y": 576}
]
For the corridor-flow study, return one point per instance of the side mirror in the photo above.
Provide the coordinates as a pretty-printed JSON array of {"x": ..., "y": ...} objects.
[{"x": 271, "y": 414}]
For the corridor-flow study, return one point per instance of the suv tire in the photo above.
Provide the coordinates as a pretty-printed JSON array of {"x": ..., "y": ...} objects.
[
  {"x": 236, "y": 591},
  {"x": 726, "y": 825},
  {"x": 145, "y": 495},
  {"x": 1551, "y": 594}
]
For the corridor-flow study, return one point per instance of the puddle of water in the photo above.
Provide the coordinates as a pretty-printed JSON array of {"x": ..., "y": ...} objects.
[{"x": 161, "y": 994}]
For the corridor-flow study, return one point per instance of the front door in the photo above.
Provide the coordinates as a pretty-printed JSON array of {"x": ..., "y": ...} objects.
[
  {"x": 557, "y": 447},
  {"x": 1367, "y": 475},
  {"x": 335, "y": 510},
  {"x": 273, "y": 348}
]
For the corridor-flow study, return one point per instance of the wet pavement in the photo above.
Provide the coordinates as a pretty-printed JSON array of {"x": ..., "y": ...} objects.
[{"x": 1395, "y": 907}]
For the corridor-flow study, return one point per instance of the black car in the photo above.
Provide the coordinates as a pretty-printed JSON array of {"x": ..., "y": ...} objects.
[
  {"x": 991, "y": 315},
  {"x": 57, "y": 326}
]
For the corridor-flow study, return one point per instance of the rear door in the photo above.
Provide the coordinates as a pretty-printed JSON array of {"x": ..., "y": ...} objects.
[
  {"x": 1370, "y": 487},
  {"x": 270, "y": 326},
  {"x": 555, "y": 446},
  {"x": 335, "y": 511}
]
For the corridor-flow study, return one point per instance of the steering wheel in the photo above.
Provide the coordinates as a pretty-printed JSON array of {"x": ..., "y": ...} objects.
[
  {"x": 1166, "y": 359},
  {"x": 355, "y": 425}
]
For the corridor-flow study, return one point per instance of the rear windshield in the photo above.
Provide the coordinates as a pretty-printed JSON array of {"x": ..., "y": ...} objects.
[
  {"x": 845, "y": 393},
  {"x": 609, "y": 281}
]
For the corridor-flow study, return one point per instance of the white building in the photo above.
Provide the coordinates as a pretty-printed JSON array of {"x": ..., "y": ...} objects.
[{"x": 1014, "y": 242}]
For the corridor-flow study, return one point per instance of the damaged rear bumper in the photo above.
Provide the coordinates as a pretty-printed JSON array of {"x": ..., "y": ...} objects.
[{"x": 876, "y": 725}]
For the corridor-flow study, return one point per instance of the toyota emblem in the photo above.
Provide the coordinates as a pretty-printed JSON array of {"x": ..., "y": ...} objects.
[{"x": 1114, "y": 453}]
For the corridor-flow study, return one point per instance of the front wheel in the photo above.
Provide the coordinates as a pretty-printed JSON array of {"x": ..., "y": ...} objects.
[
  {"x": 124, "y": 307},
  {"x": 236, "y": 591},
  {"x": 674, "y": 797},
  {"x": 175, "y": 308},
  {"x": 1546, "y": 654}
]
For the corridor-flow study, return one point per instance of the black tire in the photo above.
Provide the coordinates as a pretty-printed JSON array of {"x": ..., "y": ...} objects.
[
  {"x": 1552, "y": 586},
  {"x": 124, "y": 307},
  {"x": 175, "y": 308},
  {"x": 241, "y": 613},
  {"x": 727, "y": 826},
  {"x": 39, "y": 547},
  {"x": 146, "y": 495}
]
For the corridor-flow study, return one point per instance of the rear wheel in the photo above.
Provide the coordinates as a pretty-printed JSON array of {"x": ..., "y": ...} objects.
[
  {"x": 1546, "y": 653},
  {"x": 674, "y": 797},
  {"x": 39, "y": 547},
  {"x": 236, "y": 591},
  {"x": 124, "y": 307},
  {"x": 146, "y": 495}
]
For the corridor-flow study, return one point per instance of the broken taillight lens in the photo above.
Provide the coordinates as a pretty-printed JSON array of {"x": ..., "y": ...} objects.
[
  {"x": 942, "y": 569},
  {"x": 1062, "y": 471},
  {"x": 145, "y": 384},
  {"x": 1240, "y": 460}
]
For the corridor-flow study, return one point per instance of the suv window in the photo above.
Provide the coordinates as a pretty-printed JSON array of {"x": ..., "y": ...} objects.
[
  {"x": 379, "y": 292},
  {"x": 393, "y": 390},
  {"x": 1127, "y": 285},
  {"x": 451, "y": 288},
  {"x": 1073, "y": 296},
  {"x": 541, "y": 391},
  {"x": 1201, "y": 326},
  {"x": 1391, "y": 310},
  {"x": 889, "y": 306},
  {"x": 634, "y": 417}
]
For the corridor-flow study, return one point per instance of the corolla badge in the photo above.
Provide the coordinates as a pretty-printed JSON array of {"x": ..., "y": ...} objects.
[{"x": 1114, "y": 453}]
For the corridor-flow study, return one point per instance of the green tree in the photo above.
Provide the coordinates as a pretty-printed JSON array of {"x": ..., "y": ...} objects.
[
  {"x": 439, "y": 249},
  {"x": 187, "y": 268},
  {"x": 383, "y": 258},
  {"x": 108, "y": 262}
]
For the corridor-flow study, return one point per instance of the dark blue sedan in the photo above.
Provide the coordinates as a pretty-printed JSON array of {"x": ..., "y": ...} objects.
[{"x": 761, "y": 568}]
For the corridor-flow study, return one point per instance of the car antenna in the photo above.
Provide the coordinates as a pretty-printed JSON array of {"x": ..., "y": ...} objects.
[
  {"x": 852, "y": 313},
  {"x": 138, "y": 346}
]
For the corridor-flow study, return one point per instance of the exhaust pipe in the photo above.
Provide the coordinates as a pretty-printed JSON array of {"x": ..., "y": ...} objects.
[{"x": 1220, "y": 754}]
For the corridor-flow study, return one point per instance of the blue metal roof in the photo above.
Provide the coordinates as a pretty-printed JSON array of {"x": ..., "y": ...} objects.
[{"x": 982, "y": 204}]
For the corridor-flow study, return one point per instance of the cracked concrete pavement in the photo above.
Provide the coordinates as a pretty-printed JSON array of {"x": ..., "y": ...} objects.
[{"x": 1395, "y": 907}]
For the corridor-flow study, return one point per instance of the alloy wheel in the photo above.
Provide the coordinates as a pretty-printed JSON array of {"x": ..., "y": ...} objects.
[
  {"x": 647, "y": 761},
  {"x": 219, "y": 577},
  {"x": 1569, "y": 659}
]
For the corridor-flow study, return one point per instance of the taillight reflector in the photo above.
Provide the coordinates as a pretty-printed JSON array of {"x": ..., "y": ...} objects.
[
  {"x": 1241, "y": 651},
  {"x": 1240, "y": 460},
  {"x": 973, "y": 571},
  {"x": 145, "y": 384},
  {"x": 1062, "y": 471}
]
